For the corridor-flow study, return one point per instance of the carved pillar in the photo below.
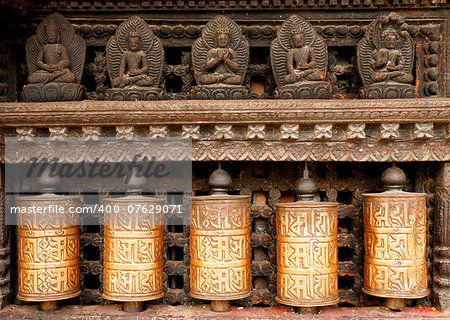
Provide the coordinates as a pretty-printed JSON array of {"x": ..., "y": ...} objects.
[
  {"x": 441, "y": 283},
  {"x": 4, "y": 247}
]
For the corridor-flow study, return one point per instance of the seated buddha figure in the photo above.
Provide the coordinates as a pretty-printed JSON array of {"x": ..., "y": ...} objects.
[
  {"x": 388, "y": 62},
  {"x": 53, "y": 61},
  {"x": 301, "y": 61},
  {"x": 221, "y": 62},
  {"x": 133, "y": 65}
]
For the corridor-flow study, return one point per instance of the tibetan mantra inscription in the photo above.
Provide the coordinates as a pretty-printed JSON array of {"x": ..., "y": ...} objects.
[
  {"x": 133, "y": 252},
  {"x": 220, "y": 247},
  {"x": 48, "y": 250},
  {"x": 394, "y": 245},
  {"x": 307, "y": 265}
]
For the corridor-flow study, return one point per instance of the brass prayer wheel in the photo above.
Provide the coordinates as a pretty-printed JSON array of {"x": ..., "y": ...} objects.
[
  {"x": 133, "y": 249},
  {"x": 395, "y": 242},
  {"x": 307, "y": 264},
  {"x": 48, "y": 248},
  {"x": 220, "y": 245}
]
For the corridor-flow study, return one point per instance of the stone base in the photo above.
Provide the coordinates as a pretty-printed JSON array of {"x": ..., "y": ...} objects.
[
  {"x": 53, "y": 92},
  {"x": 387, "y": 90},
  {"x": 304, "y": 90},
  {"x": 220, "y": 92},
  {"x": 134, "y": 94}
]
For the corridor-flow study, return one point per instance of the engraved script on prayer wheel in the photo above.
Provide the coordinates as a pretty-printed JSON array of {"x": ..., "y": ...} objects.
[
  {"x": 307, "y": 264},
  {"x": 220, "y": 246},
  {"x": 133, "y": 250},
  {"x": 395, "y": 242},
  {"x": 48, "y": 248}
]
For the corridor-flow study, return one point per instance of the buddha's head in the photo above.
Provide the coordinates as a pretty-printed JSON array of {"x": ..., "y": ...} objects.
[
  {"x": 52, "y": 32},
  {"x": 222, "y": 39},
  {"x": 389, "y": 37},
  {"x": 297, "y": 38},
  {"x": 134, "y": 40}
]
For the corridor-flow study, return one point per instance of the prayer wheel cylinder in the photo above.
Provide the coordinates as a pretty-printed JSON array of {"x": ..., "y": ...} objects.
[
  {"x": 133, "y": 250},
  {"x": 48, "y": 249},
  {"x": 307, "y": 264},
  {"x": 395, "y": 242},
  {"x": 220, "y": 249}
]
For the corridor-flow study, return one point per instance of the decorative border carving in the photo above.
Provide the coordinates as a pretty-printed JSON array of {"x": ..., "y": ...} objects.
[{"x": 226, "y": 112}]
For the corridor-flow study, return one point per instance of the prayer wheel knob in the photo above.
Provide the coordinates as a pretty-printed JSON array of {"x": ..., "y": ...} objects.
[
  {"x": 393, "y": 178},
  {"x": 134, "y": 183},
  {"x": 220, "y": 181},
  {"x": 305, "y": 188},
  {"x": 48, "y": 182}
]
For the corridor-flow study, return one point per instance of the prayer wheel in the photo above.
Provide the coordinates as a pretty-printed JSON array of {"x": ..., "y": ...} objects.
[
  {"x": 307, "y": 264},
  {"x": 48, "y": 247},
  {"x": 220, "y": 245},
  {"x": 395, "y": 242},
  {"x": 133, "y": 248}
]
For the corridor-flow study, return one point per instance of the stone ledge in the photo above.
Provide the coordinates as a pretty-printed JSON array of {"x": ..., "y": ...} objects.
[
  {"x": 104, "y": 113},
  {"x": 113, "y": 312}
]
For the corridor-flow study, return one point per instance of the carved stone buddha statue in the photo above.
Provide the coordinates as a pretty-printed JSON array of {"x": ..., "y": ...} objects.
[
  {"x": 220, "y": 58},
  {"x": 135, "y": 59},
  {"x": 385, "y": 59},
  {"x": 55, "y": 60},
  {"x": 299, "y": 61}
]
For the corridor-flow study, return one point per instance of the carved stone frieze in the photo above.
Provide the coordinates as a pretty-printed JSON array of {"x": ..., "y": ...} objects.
[
  {"x": 223, "y": 132},
  {"x": 323, "y": 131},
  {"x": 423, "y": 131},
  {"x": 125, "y": 132},
  {"x": 190, "y": 131},
  {"x": 225, "y": 5},
  {"x": 58, "y": 133},
  {"x": 91, "y": 132},
  {"x": 232, "y": 112},
  {"x": 389, "y": 131},
  {"x": 289, "y": 131},
  {"x": 256, "y": 132},
  {"x": 355, "y": 131},
  {"x": 158, "y": 132},
  {"x": 25, "y": 133}
]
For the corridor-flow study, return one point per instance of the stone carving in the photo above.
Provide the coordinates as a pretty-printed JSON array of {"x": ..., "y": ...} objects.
[
  {"x": 423, "y": 131},
  {"x": 220, "y": 58},
  {"x": 256, "y": 131},
  {"x": 299, "y": 61},
  {"x": 355, "y": 131},
  {"x": 135, "y": 62},
  {"x": 385, "y": 59},
  {"x": 125, "y": 132},
  {"x": 191, "y": 131},
  {"x": 55, "y": 61},
  {"x": 99, "y": 70},
  {"x": 389, "y": 131}
]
